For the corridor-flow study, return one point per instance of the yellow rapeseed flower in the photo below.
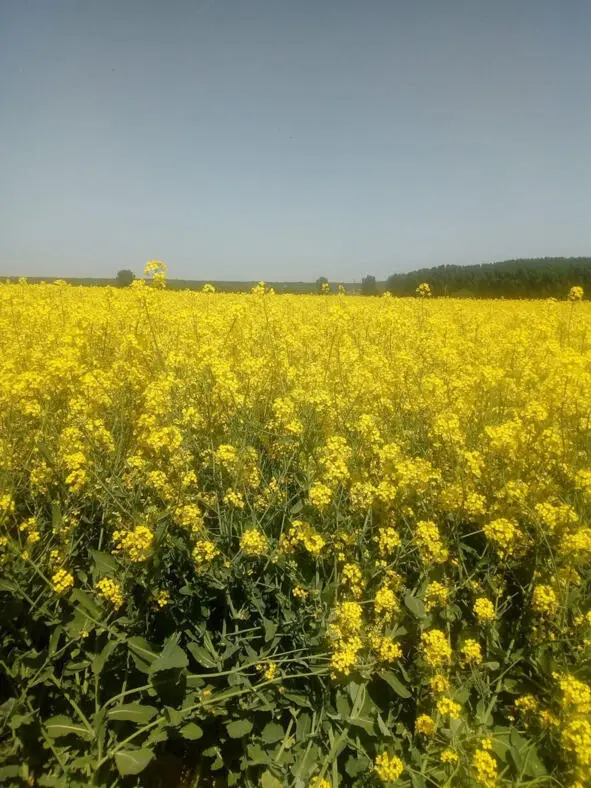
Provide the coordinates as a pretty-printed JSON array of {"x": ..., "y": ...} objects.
[
  {"x": 253, "y": 542},
  {"x": 62, "y": 580},
  {"x": 388, "y": 767}
]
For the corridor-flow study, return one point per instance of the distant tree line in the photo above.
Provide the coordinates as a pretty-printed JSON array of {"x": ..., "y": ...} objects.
[{"x": 541, "y": 277}]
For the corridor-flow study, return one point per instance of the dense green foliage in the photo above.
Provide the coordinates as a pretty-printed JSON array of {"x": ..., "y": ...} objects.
[
  {"x": 369, "y": 286},
  {"x": 531, "y": 278}
]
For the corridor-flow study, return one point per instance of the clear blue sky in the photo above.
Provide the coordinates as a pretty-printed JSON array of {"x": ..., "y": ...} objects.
[{"x": 288, "y": 139}]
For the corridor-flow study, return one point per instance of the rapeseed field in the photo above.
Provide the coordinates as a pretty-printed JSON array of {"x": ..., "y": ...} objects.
[{"x": 258, "y": 539}]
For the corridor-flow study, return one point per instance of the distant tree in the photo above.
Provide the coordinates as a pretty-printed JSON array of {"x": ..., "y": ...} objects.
[
  {"x": 369, "y": 286},
  {"x": 125, "y": 277},
  {"x": 322, "y": 285}
]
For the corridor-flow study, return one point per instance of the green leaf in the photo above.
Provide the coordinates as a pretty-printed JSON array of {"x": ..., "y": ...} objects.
[
  {"x": 18, "y": 720},
  {"x": 104, "y": 563},
  {"x": 156, "y": 736},
  {"x": 354, "y": 688},
  {"x": 142, "y": 653},
  {"x": 202, "y": 656},
  {"x": 416, "y": 606},
  {"x": 533, "y": 766},
  {"x": 238, "y": 728},
  {"x": 342, "y": 705},
  {"x": 364, "y": 723},
  {"x": 270, "y": 629},
  {"x": 272, "y": 732},
  {"x": 170, "y": 685},
  {"x": 256, "y": 755},
  {"x": 100, "y": 660},
  {"x": 417, "y": 780},
  {"x": 86, "y": 603},
  {"x": 56, "y": 781},
  {"x": 72, "y": 667},
  {"x": 133, "y": 761},
  {"x": 60, "y": 726},
  {"x": 483, "y": 714},
  {"x": 395, "y": 683},
  {"x": 79, "y": 623},
  {"x": 298, "y": 699},
  {"x": 519, "y": 747},
  {"x": 7, "y": 772},
  {"x": 54, "y": 640},
  {"x": 355, "y": 766},
  {"x": 172, "y": 656},
  {"x": 173, "y": 716},
  {"x": 191, "y": 731},
  {"x": 384, "y": 730},
  {"x": 83, "y": 764},
  {"x": 462, "y": 695},
  {"x": 132, "y": 712},
  {"x": 303, "y": 726},
  {"x": 268, "y": 780}
]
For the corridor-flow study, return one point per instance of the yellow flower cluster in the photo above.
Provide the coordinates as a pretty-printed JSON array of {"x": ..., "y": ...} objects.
[
  {"x": 436, "y": 595},
  {"x": 506, "y": 537},
  {"x": 484, "y": 610},
  {"x": 155, "y": 270},
  {"x": 388, "y": 540},
  {"x": 269, "y": 670},
  {"x": 471, "y": 653},
  {"x": 436, "y": 648},
  {"x": 428, "y": 539},
  {"x": 135, "y": 543},
  {"x": 253, "y": 542},
  {"x": 319, "y": 782},
  {"x": 576, "y": 741},
  {"x": 425, "y": 725},
  {"x": 575, "y": 694},
  {"x": 448, "y": 707},
  {"x": 111, "y": 591},
  {"x": 345, "y": 655},
  {"x": 162, "y": 598},
  {"x": 387, "y": 650},
  {"x": 345, "y": 631},
  {"x": 301, "y": 534},
  {"x": 439, "y": 684},
  {"x": 526, "y": 704},
  {"x": 62, "y": 581},
  {"x": 352, "y": 578},
  {"x": 544, "y": 600},
  {"x": 388, "y": 767},
  {"x": 485, "y": 768},
  {"x": 385, "y": 602},
  {"x": 347, "y": 619},
  {"x": 204, "y": 552}
]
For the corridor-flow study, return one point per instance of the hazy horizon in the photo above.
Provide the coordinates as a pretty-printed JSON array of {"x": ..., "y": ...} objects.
[{"x": 290, "y": 140}]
